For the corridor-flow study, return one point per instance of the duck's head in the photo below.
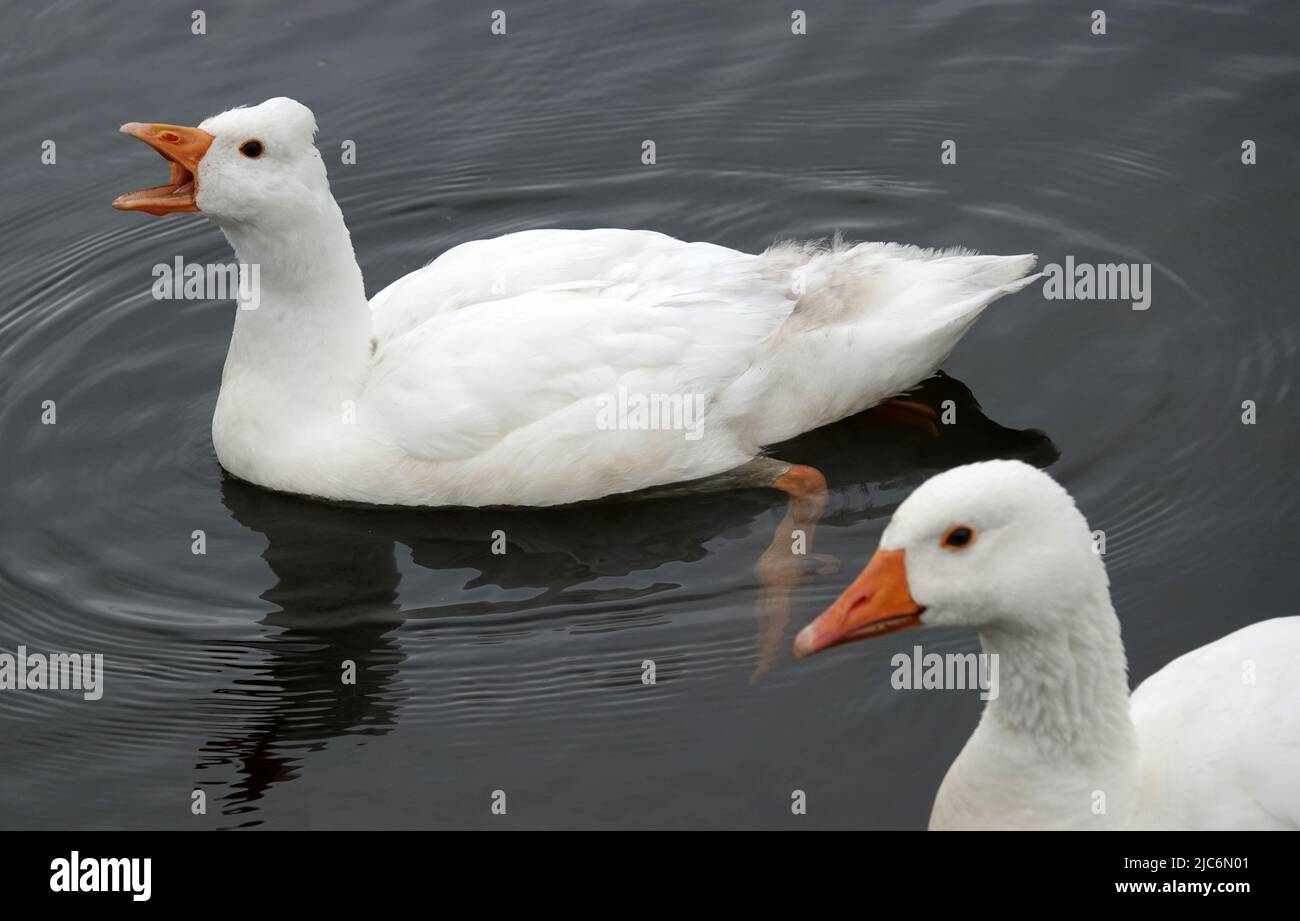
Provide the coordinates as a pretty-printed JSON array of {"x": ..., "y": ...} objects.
[
  {"x": 250, "y": 165},
  {"x": 993, "y": 545}
]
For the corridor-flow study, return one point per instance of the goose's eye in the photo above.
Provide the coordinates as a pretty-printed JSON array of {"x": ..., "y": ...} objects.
[
  {"x": 958, "y": 537},
  {"x": 251, "y": 149}
]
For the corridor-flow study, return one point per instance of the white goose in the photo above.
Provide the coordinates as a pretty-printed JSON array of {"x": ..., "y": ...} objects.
[
  {"x": 1212, "y": 741},
  {"x": 481, "y": 379}
]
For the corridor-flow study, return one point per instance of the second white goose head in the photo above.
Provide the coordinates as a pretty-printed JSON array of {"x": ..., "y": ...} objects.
[{"x": 996, "y": 546}]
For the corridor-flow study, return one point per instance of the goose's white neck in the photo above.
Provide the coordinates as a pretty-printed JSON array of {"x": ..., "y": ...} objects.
[
  {"x": 1057, "y": 746},
  {"x": 300, "y": 355},
  {"x": 1066, "y": 689},
  {"x": 310, "y": 328}
]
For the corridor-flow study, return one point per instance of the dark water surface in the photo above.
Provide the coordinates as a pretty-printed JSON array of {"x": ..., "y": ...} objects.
[{"x": 523, "y": 672}]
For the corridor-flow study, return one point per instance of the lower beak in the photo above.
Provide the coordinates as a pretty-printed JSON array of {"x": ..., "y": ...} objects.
[
  {"x": 878, "y": 602},
  {"x": 183, "y": 148}
]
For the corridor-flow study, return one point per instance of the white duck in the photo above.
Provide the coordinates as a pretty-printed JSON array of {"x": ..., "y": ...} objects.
[
  {"x": 1211, "y": 741},
  {"x": 481, "y": 379}
]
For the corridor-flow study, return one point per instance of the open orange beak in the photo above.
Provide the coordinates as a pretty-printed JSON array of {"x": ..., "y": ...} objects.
[
  {"x": 183, "y": 148},
  {"x": 878, "y": 602}
]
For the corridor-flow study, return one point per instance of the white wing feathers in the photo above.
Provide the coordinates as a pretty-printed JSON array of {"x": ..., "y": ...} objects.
[{"x": 467, "y": 359}]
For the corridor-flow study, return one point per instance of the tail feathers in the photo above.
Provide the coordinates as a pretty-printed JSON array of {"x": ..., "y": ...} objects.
[
  {"x": 1002, "y": 273},
  {"x": 956, "y": 290},
  {"x": 1019, "y": 283},
  {"x": 998, "y": 279},
  {"x": 839, "y": 282}
]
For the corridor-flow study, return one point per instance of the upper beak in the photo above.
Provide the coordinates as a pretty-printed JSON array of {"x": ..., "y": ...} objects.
[
  {"x": 183, "y": 148},
  {"x": 879, "y": 601}
]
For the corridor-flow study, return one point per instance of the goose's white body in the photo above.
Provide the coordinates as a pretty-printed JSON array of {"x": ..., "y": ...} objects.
[
  {"x": 481, "y": 379},
  {"x": 1219, "y": 731},
  {"x": 1211, "y": 741},
  {"x": 492, "y": 365}
]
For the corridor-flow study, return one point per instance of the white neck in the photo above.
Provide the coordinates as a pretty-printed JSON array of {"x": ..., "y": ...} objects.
[
  {"x": 308, "y": 338},
  {"x": 299, "y": 360},
  {"x": 1057, "y": 747}
]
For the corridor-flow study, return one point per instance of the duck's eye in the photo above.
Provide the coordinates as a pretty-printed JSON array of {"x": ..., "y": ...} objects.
[
  {"x": 251, "y": 149},
  {"x": 958, "y": 537}
]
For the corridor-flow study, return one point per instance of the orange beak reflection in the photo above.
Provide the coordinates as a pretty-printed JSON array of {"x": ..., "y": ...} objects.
[
  {"x": 183, "y": 148},
  {"x": 878, "y": 602}
]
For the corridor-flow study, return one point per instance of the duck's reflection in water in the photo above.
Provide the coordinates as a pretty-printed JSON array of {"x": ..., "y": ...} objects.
[{"x": 336, "y": 600}]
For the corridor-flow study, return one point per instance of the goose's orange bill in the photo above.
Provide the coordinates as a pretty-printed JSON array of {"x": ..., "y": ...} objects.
[
  {"x": 878, "y": 602},
  {"x": 183, "y": 148}
]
